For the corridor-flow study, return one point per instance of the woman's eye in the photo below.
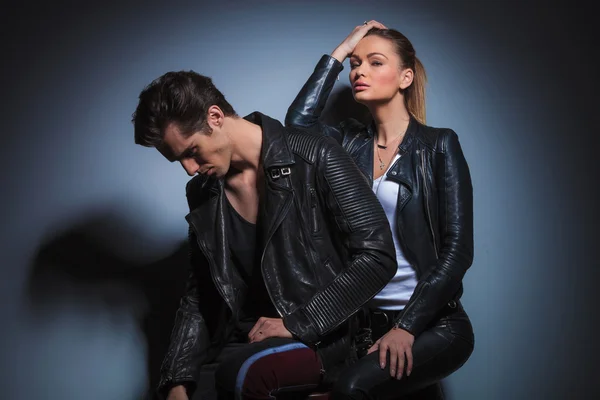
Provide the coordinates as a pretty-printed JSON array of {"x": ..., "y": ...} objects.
[
  {"x": 376, "y": 63},
  {"x": 352, "y": 66}
]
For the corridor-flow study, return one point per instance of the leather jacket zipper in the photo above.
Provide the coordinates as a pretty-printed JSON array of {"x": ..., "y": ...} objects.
[
  {"x": 313, "y": 208},
  {"x": 427, "y": 210}
]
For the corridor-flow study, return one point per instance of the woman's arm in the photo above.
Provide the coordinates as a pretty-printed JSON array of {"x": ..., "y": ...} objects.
[
  {"x": 306, "y": 109},
  {"x": 455, "y": 204}
]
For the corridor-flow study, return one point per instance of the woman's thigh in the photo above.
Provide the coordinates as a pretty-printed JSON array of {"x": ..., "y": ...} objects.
[{"x": 437, "y": 352}]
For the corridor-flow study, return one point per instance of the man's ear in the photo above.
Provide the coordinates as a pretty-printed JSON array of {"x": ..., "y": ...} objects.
[{"x": 215, "y": 117}]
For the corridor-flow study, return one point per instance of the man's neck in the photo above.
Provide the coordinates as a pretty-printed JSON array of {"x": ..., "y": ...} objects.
[
  {"x": 244, "y": 181},
  {"x": 246, "y": 162},
  {"x": 246, "y": 138}
]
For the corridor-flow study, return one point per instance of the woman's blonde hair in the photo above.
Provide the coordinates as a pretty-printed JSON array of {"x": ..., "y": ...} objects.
[{"x": 414, "y": 95}]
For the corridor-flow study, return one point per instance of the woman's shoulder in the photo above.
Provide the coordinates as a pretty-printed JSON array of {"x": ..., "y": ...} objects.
[{"x": 436, "y": 138}]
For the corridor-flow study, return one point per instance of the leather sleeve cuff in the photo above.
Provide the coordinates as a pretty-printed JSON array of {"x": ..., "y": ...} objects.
[
  {"x": 301, "y": 327},
  {"x": 166, "y": 385},
  {"x": 329, "y": 65}
]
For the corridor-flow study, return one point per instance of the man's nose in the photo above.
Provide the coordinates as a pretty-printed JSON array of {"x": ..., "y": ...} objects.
[{"x": 191, "y": 166}]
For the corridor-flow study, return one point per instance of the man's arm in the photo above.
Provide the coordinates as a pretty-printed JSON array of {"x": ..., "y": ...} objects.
[
  {"x": 361, "y": 220},
  {"x": 190, "y": 335},
  {"x": 190, "y": 338}
]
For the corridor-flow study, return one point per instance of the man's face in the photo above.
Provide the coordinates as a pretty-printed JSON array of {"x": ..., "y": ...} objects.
[{"x": 200, "y": 153}]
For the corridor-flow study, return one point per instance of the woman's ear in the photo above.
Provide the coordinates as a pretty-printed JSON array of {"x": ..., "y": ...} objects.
[{"x": 406, "y": 78}]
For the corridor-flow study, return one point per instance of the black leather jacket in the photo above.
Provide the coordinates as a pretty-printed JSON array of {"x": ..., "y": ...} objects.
[
  {"x": 435, "y": 198},
  {"x": 328, "y": 251}
]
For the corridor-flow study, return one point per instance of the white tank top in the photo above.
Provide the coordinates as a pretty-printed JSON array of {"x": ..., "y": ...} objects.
[{"x": 397, "y": 292}]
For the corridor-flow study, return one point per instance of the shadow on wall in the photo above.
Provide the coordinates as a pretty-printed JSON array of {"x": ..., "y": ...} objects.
[
  {"x": 78, "y": 264},
  {"x": 341, "y": 106}
]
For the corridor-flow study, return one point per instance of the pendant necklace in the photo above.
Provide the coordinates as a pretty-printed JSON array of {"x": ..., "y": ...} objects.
[{"x": 380, "y": 146}]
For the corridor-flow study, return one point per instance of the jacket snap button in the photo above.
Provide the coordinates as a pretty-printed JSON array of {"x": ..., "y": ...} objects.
[{"x": 393, "y": 172}]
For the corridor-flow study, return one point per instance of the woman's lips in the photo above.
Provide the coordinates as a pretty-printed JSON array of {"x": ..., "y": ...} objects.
[{"x": 360, "y": 86}]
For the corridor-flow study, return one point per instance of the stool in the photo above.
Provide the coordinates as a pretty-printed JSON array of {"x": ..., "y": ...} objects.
[{"x": 318, "y": 396}]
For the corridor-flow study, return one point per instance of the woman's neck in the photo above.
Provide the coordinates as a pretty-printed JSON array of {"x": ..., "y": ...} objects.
[{"x": 391, "y": 119}]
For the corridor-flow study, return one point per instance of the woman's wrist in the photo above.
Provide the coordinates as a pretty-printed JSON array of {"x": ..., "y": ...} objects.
[{"x": 339, "y": 54}]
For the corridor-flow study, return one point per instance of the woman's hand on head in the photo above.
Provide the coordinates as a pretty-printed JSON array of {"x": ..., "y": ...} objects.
[{"x": 347, "y": 46}]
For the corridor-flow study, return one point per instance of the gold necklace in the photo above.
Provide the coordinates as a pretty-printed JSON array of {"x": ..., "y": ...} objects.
[
  {"x": 381, "y": 163},
  {"x": 380, "y": 146}
]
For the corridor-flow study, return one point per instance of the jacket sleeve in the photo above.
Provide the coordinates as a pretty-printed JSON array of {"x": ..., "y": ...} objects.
[
  {"x": 306, "y": 109},
  {"x": 361, "y": 221},
  {"x": 455, "y": 205},
  {"x": 190, "y": 338}
]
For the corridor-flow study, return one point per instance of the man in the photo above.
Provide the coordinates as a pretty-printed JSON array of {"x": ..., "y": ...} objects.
[{"x": 287, "y": 243}]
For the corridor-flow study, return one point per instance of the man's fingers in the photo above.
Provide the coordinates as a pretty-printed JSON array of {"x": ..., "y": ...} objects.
[{"x": 257, "y": 326}]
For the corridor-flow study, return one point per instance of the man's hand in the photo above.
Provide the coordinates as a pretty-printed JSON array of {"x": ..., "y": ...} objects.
[
  {"x": 399, "y": 343},
  {"x": 177, "y": 393},
  {"x": 266, "y": 328},
  {"x": 347, "y": 46}
]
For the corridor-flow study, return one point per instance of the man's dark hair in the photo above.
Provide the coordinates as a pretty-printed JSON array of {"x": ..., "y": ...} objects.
[{"x": 183, "y": 98}]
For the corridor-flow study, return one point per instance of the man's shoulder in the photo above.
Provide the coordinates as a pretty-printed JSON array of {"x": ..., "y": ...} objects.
[{"x": 308, "y": 143}]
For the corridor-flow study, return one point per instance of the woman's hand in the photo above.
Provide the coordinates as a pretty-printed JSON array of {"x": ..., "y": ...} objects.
[
  {"x": 348, "y": 45},
  {"x": 266, "y": 328},
  {"x": 399, "y": 343}
]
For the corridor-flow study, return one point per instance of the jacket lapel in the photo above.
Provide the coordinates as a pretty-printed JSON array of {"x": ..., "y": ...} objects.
[
  {"x": 208, "y": 223},
  {"x": 403, "y": 170},
  {"x": 278, "y": 164}
]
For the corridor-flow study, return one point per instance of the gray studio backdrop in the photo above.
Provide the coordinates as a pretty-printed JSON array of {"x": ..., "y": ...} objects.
[{"x": 93, "y": 226}]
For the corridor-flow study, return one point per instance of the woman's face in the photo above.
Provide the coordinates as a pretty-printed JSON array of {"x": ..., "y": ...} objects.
[{"x": 375, "y": 71}]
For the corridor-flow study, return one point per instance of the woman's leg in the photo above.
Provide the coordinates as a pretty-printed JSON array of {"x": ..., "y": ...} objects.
[
  {"x": 260, "y": 370},
  {"x": 437, "y": 352}
]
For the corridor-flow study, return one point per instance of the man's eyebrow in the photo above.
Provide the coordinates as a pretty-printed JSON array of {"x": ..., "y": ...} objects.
[{"x": 187, "y": 152}]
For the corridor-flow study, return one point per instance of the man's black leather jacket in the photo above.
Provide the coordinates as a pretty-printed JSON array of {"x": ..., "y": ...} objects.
[
  {"x": 435, "y": 197},
  {"x": 328, "y": 251}
]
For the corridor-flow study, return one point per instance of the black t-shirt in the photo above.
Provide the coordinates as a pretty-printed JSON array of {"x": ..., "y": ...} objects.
[{"x": 246, "y": 247}]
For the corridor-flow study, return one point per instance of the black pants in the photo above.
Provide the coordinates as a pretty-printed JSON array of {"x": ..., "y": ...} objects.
[{"x": 440, "y": 350}]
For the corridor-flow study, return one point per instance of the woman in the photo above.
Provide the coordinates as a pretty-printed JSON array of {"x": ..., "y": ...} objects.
[{"x": 419, "y": 330}]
